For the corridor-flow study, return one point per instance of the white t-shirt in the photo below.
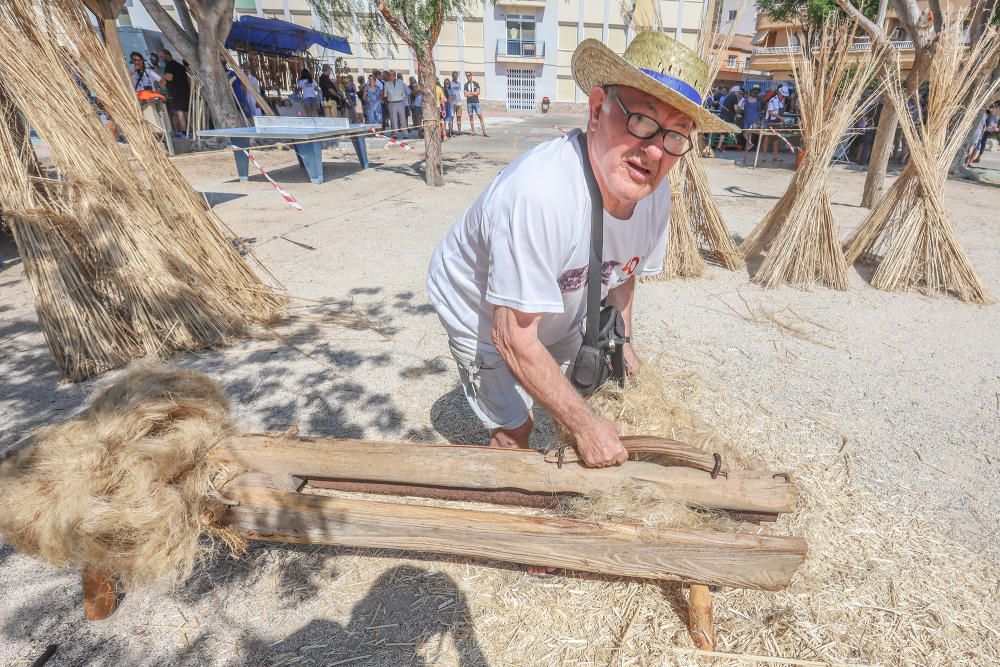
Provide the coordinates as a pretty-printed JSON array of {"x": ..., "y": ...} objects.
[
  {"x": 309, "y": 88},
  {"x": 525, "y": 244},
  {"x": 774, "y": 108}
]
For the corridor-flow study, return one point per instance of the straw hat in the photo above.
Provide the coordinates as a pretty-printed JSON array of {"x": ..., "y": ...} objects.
[{"x": 656, "y": 65}]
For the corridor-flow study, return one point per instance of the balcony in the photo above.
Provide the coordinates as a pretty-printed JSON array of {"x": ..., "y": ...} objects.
[
  {"x": 862, "y": 45},
  {"x": 520, "y": 3},
  {"x": 521, "y": 50}
]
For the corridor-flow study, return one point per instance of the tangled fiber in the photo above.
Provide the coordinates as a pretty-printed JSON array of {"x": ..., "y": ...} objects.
[
  {"x": 124, "y": 486},
  {"x": 655, "y": 403}
]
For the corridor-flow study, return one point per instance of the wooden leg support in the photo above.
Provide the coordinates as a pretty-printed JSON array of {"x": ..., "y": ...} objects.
[
  {"x": 100, "y": 594},
  {"x": 700, "y": 623}
]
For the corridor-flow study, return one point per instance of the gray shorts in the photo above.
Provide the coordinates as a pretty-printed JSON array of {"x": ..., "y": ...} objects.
[{"x": 491, "y": 389}]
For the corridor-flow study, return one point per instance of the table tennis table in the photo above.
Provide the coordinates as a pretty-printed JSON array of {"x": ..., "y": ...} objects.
[{"x": 269, "y": 129}]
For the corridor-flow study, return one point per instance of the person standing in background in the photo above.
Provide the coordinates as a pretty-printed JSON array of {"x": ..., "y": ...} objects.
[
  {"x": 395, "y": 96},
  {"x": 310, "y": 93},
  {"x": 373, "y": 101},
  {"x": 330, "y": 91},
  {"x": 455, "y": 93},
  {"x": 750, "y": 106},
  {"x": 472, "y": 92},
  {"x": 418, "y": 107},
  {"x": 249, "y": 104},
  {"x": 351, "y": 96},
  {"x": 143, "y": 78}
]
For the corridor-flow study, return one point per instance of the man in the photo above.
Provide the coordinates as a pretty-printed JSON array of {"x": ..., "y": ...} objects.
[
  {"x": 249, "y": 101},
  {"x": 418, "y": 106},
  {"x": 727, "y": 109},
  {"x": 772, "y": 117},
  {"x": 178, "y": 89},
  {"x": 984, "y": 128},
  {"x": 508, "y": 281},
  {"x": 395, "y": 98},
  {"x": 331, "y": 92},
  {"x": 471, "y": 90},
  {"x": 455, "y": 95}
]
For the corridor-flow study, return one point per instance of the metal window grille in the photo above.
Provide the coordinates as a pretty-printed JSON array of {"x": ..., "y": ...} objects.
[{"x": 521, "y": 89}]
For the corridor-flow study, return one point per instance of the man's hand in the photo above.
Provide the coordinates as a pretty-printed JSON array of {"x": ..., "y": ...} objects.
[
  {"x": 599, "y": 443},
  {"x": 632, "y": 363}
]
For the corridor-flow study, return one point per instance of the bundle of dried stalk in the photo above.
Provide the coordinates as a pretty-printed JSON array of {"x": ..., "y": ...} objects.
[
  {"x": 123, "y": 257},
  {"x": 697, "y": 228},
  {"x": 909, "y": 233},
  {"x": 800, "y": 232},
  {"x": 124, "y": 486}
]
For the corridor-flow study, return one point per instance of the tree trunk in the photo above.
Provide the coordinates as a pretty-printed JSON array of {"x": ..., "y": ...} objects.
[
  {"x": 878, "y": 161},
  {"x": 216, "y": 88},
  {"x": 888, "y": 122},
  {"x": 433, "y": 168},
  {"x": 201, "y": 51}
]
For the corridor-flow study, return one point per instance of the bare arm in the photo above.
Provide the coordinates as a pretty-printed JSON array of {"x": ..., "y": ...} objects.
[
  {"x": 621, "y": 298},
  {"x": 515, "y": 336}
]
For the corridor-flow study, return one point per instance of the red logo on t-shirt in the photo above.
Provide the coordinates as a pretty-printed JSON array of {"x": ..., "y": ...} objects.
[{"x": 630, "y": 267}]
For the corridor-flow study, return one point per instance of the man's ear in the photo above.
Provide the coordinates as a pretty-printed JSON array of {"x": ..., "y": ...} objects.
[{"x": 595, "y": 101}]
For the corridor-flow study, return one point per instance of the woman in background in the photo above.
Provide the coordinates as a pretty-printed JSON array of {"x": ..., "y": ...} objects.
[
  {"x": 373, "y": 101},
  {"x": 310, "y": 93}
]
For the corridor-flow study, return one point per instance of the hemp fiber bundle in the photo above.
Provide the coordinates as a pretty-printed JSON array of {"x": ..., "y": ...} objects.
[
  {"x": 123, "y": 486},
  {"x": 123, "y": 257},
  {"x": 910, "y": 232},
  {"x": 800, "y": 232}
]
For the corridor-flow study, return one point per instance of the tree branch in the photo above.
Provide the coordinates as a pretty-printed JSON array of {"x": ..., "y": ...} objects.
[
  {"x": 168, "y": 26},
  {"x": 397, "y": 26},
  {"x": 874, "y": 31},
  {"x": 184, "y": 16},
  {"x": 438, "y": 22}
]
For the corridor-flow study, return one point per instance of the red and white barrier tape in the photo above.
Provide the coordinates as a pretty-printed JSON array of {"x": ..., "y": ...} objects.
[
  {"x": 392, "y": 140},
  {"x": 284, "y": 193},
  {"x": 787, "y": 142}
]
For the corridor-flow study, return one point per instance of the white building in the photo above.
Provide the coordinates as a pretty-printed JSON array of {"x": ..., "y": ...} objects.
[{"x": 519, "y": 50}]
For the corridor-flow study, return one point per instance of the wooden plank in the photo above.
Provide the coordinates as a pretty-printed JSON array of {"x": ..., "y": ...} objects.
[
  {"x": 500, "y": 469},
  {"x": 700, "y": 622},
  {"x": 727, "y": 559},
  {"x": 100, "y": 594}
]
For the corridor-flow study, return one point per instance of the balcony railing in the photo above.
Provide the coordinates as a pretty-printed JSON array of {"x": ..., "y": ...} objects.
[
  {"x": 520, "y": 48},
  {"x": 862, "y": 45}
]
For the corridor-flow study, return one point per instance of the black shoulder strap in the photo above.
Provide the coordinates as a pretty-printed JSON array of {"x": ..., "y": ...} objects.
[{"x": 596, "y": 266}]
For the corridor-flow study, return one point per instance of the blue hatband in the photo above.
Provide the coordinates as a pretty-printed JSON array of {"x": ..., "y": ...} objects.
[{"x": 674, "y": 84}]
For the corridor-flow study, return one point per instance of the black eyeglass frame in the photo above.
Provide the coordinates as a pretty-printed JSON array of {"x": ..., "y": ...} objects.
[{"x": 659, "y": 128}]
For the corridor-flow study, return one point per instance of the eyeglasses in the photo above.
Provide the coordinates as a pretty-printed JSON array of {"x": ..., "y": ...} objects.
[{"x": 642, "y": 126}]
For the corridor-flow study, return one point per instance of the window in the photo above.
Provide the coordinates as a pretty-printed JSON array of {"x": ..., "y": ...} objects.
[
  {"x": 732, "y": 14},
  {"x": 731, "y": 62}
]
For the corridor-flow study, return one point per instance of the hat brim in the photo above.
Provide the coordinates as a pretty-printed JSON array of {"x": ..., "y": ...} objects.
[{"x": 594, "y": 64}]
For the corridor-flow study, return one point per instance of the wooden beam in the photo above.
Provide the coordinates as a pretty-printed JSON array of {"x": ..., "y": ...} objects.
[
  {"x": 700, "y": 622},
  {"x": 728, "y": 559},
  {"x": 499, "y": 469},
  {"x": 100, "y": 594}
]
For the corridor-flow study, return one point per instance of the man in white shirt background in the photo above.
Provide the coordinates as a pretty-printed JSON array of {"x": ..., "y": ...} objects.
[
  {"x": 772, "y": 118},
  {"x": 395, "y": 97}
]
